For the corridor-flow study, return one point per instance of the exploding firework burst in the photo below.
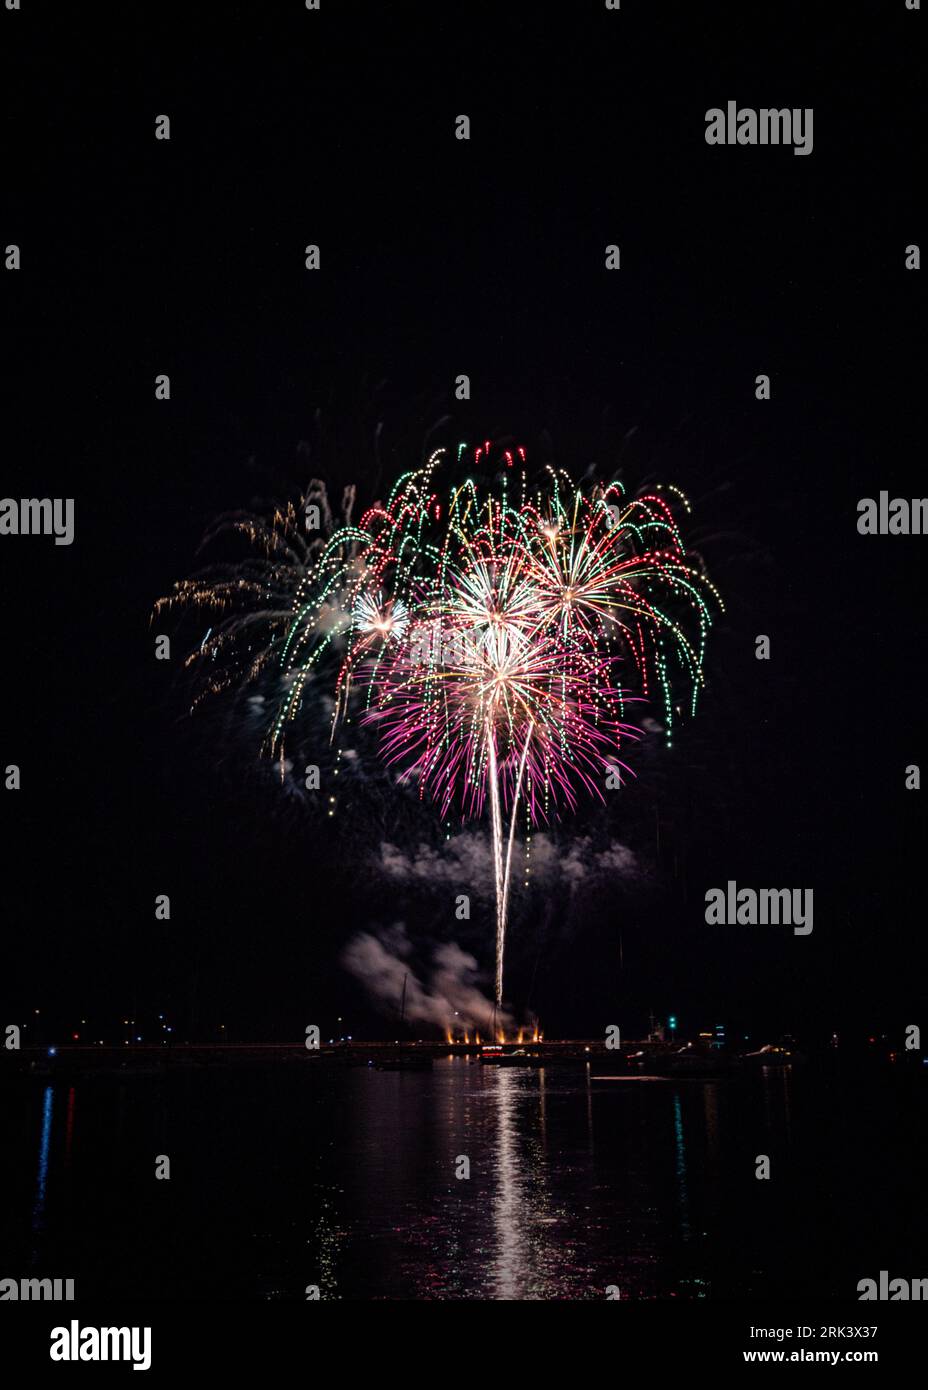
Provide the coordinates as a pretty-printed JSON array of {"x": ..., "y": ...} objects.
[{"x": 492, "y": 634}]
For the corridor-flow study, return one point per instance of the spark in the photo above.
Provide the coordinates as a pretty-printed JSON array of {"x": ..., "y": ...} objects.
[{"x": 493, "y": 634}]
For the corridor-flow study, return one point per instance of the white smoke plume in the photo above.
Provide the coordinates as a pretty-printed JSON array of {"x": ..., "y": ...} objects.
[
  {"x": 465, "y": 861},
  {"x": 451, "y": 997}
]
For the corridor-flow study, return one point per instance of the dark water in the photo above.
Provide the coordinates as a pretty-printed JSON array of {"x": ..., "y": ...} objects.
[{"x": 345, "y": 1178}]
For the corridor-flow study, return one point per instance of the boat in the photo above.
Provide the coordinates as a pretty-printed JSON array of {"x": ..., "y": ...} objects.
[
  {"x": 518, "y": 1058},
  {"x": 773, "y": 1055}
]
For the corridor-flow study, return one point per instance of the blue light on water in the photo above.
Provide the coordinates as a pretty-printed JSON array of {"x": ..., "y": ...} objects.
[
  {"x": 38, "y": 1208},
  {"x": 683, "y": 1203}
]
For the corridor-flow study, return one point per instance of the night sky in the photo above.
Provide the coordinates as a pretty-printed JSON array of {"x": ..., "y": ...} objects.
[{"x": 441, "y": 257}]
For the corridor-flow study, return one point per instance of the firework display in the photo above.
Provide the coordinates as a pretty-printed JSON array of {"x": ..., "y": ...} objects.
[{"x": 493, "y": 633}]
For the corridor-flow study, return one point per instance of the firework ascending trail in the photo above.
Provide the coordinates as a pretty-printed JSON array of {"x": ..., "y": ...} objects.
[{"x": 480, "y": 634}]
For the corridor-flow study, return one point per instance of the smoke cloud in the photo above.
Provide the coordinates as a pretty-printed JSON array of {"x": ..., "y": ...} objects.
[
  {"x": 452, "y": 995},
  {"x": 465, "y": 861}
]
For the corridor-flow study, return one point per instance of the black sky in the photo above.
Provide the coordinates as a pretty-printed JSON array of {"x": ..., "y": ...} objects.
[{"x": 441, "y": 257}]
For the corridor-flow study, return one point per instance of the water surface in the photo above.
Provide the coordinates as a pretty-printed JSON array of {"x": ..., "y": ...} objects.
[{"x": 346, "y": 1178}]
